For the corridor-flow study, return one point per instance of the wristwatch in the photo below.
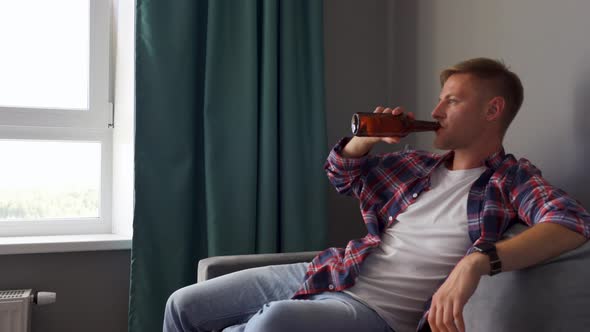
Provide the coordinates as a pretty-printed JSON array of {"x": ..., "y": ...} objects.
[{"x": 489, "y": 249}]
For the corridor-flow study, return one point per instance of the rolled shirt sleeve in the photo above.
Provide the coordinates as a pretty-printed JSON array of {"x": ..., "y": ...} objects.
[{"x": 537, "y": 201}]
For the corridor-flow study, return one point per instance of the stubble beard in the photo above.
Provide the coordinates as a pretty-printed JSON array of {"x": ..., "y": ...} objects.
[{"x": 441, "y": 144}]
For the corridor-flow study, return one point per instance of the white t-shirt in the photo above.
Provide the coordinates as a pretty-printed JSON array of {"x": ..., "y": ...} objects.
[{"x": 418, "y": 251}]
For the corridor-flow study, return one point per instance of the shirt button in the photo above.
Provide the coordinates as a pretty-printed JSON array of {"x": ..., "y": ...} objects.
[
  {"x": 415, "y": 195},
  {"x": 390, "y": 218},
  {"x": 331, "y": 287}
]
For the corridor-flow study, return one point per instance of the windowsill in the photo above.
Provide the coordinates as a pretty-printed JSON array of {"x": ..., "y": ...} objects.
[{"x": 63, "y": 243}]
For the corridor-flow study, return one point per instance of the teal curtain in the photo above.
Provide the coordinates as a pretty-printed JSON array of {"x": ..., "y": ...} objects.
[{"x": 230, "y": 139}]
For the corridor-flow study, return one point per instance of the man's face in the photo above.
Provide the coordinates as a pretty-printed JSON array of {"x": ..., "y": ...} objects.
[{"x": 460, "y": 112}]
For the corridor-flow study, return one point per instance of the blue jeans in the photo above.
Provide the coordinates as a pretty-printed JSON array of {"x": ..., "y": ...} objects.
[{"x": 258, "y": 300}]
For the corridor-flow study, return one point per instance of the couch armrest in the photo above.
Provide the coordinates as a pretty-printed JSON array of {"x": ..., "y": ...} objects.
[{"x": 212, "y": 267}]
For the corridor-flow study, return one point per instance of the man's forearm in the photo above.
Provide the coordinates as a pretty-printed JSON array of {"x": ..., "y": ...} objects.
[
  {"x": 358, "y": 147},
  {"x": 535, "y": 245}
]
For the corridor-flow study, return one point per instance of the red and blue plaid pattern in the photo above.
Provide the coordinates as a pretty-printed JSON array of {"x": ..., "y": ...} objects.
[{"x": 509, "y": 191}]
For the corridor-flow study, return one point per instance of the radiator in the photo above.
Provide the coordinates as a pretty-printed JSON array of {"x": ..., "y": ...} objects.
[{"x": 15, "y": 308}]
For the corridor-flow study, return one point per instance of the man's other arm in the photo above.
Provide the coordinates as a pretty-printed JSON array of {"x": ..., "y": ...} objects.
[{"x": 558, "y": 224}]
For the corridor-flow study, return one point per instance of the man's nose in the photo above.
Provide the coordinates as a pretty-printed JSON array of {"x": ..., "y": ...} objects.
[{"x": 438, "y": 112}]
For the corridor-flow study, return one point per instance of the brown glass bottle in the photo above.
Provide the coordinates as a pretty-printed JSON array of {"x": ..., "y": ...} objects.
[{"x": 387, "y": 125}]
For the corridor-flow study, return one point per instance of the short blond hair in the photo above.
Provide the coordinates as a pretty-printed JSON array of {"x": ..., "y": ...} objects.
[{"x": 497, "y": 76}]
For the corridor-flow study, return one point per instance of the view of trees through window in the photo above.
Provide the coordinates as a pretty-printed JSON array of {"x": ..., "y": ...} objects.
[
  {"x": 42, "y": 179},
  {"x": 39, "y": 204},
  {"x": 55, "y": 117}
]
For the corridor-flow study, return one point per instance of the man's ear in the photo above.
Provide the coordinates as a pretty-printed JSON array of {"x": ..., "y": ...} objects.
[{"x": 496, "y": 108}]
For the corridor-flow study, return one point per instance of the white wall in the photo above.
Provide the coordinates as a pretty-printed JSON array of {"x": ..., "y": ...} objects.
[
  {"x": 546, "y": 42},
  {"x": 123, "y": 97}
]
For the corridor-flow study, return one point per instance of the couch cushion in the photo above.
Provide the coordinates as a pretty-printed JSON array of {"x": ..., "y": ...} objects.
[{"x": 552, "y": 296}]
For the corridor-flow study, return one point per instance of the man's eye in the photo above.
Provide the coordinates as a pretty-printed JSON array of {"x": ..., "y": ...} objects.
[{"x": 452, "y": 101}]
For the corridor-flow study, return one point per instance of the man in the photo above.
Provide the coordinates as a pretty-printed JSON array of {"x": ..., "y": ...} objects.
[{"x": 423, "y": 211}]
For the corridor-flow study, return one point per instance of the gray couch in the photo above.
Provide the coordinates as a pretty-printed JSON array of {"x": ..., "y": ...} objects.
[{"x": 550, "y": 297}]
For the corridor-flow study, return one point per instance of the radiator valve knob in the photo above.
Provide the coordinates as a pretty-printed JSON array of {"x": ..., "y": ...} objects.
[{"x": 42, "y": 298}]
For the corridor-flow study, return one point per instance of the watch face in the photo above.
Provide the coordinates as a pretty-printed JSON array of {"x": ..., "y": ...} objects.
[{"x": 485, "y": 247}]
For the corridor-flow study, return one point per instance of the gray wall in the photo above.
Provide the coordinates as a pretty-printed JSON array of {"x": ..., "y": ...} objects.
[
  {"x": 92, "y": 288},
  {"x": 544, "y": 41},
  {"x": 357, "y": 41}
]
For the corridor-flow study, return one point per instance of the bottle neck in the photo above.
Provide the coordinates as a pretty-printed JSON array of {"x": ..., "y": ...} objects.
[{"x": 420, "y": 125}]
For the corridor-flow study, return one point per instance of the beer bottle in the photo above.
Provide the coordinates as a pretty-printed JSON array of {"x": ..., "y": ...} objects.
[{"x": 387, "y": 125}]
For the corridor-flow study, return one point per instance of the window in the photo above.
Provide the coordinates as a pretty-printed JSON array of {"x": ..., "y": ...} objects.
[{"x": 55, "y": 117}]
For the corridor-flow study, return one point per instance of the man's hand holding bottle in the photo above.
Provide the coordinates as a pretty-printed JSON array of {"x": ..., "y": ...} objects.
[{"x": 359, "y": 146}]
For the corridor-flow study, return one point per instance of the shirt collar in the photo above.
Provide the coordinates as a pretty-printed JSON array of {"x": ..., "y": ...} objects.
[{"x": 493, "y": 161}]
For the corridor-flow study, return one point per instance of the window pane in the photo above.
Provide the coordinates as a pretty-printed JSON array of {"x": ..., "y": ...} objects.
[
  {"x": 49, "y": 179},
  {"x": 45, "y": 53}
]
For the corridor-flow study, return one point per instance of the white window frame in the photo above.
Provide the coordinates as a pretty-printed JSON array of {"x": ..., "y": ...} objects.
[{"x": 92, "y": 125}]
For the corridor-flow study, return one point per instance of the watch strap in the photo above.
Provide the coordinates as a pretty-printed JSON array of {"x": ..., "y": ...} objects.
[
  {"x": 489, "y": 249},
  {"x": 495, "y": 263}
]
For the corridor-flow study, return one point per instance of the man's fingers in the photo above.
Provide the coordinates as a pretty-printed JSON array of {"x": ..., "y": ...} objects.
[
  {"x": 391, "y": 140},
  {"x": 379, "y": 109},
  {"x": 458, "y": 318},
  {"x": 448, "y": 318},
  {"x": 432, "y": 319},
  {"x": 440, "y": 319},
  {"x": 394, "y": 111}
]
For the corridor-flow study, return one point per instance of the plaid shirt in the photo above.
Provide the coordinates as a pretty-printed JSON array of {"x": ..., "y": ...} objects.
[{"x": 507, "y": 192}]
